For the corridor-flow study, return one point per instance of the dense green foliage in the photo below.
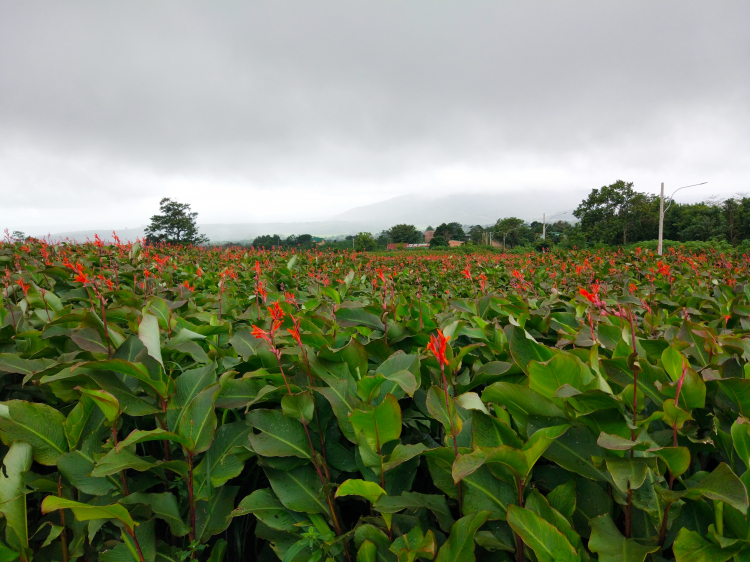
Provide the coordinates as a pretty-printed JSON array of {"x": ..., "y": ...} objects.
[{"x": 166, "y": 402}]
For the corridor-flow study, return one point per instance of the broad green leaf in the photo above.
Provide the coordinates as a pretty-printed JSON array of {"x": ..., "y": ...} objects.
[
  {"x": 148, "y": 333},
  {"x": 368, "y": 490},
  {"x": 164, "y": 506},
  {"x": 521, "y": 402},
  {"x": 460, "y": 544},
  {"x": 299, "y": 489},
  {"x": 483, "y": 491},
  {"x": 444, "y": 411},
  {"x": 607, "y": 541},
  {"x": 437, "y": 504},
  {"x": 212, "y": 516},
  {"x": 358, "y": 317},
  {"x": 627, "y": 473},
  {"x": 280, "y": 436},
  {"x": 690, "y": 547},
  {"x": 108, "y": 404},
  {"x": 401, "y": 454},
  {"x": 115, "y": 461},
  {"x": 367, "y": 552},
  {"x": 300, "y": 406},
  {"x": 85, "y": 512},
  {"x": 267, "y": 508},
  {"x": 187, "y": 387},
  {"x": 721, "y": 485},
  {"x": 158, "y": 434},
  {"x": 549, "y": 544},
  {"x": 413, "y": 544},
  {"x": 367, "y": 533},
  {"x": 198, "y": 425},
  {"x": 676, "y": 458},
  {"x": 378, "y": 425},
  {"x": 16, "y": 463},
  {"x": 39, "y": 425},
  {"x": 741, "y": 439}
]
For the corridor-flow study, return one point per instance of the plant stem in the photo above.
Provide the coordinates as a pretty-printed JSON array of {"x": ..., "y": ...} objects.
[{"x": 519, "y": 541}]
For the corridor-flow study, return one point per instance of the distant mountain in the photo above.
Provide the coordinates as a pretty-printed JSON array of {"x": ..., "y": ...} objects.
[
  {"x": 465, "y": 208},
  {"x": 419, "y": 210}
]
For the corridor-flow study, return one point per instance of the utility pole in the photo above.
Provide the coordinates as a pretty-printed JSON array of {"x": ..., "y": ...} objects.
[{"x": 661, "y": 220}]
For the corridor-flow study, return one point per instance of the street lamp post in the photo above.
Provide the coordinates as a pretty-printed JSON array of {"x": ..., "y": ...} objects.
[
  {"x": 544, "y": 222},
  {"x": 662, "y": 211}
]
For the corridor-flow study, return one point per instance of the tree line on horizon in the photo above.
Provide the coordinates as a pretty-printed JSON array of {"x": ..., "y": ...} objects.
[{"x": 613, "y": 215}]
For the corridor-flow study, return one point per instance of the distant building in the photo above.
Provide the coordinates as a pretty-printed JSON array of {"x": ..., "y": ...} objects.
[
  {"x": 428, "y": 235},
  {"x": 455, "y": 243}
]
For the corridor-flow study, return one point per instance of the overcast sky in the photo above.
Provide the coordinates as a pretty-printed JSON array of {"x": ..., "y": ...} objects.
[{"x": 299, "y": 110}]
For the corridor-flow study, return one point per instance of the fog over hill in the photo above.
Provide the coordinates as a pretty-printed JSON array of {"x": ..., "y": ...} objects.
[{"x": 419, "y": 210}]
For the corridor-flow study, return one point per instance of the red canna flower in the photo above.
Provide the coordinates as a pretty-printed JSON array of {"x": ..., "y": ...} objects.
[
  {"x": 188, "y": 286},
  {"x": 438, "y": 345},
  {"x": 261, "y": 334},
  {"x": 199, "y": 273},
  {"x": 276, "y": 312},
  {"x": 467, "y": 272},
  {"x": 24, "y": 287},
  {"x": 294, "y": 330}
]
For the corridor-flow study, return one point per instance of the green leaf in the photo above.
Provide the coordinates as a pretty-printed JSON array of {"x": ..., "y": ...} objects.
[
  {"x": 12, "y": 363},
  {"x": 548, "y": 543},
  {"x": 148, "y": 333},
  {"x": 16, "y": 463},
  {"x": 358, "y": 317},
  {"x": 198, "y": 425},
  {"x": 677, "y": 459},
  {"x": 413, "y": 544},
  {"x": 164, "y": 506},
  {"x": 158, "y": 434},
  {"x": 281, "y": 436},
  {"x": 460, "y": 544},
  {"x": 438, "y": 505},
  {"x": 563, "y": 499},
  {"x": 39, "y": 425},
  {"x": 115, "y": 461},
  {"x": 267, "y": 508},
  {"x": 300, "y": 406},
  {"x": 741, "y": 439},
  {"x": 627, "y": 473},
  {"x": 370, "y": 534},
  {"x": 444, "y": 411},
  {"x": 521, "y": 402},
  {"x": 524, "y": 350},
  {"x": 212, "y": 516},
  {"x": 673, "y": 362},
  {"x": 401, "y": 454},
  {"x": 721, "y": 485},
  {"x": 607, "y": 541},
  {"x": 85, "y": 512},
  {"x": 562, "y": 369},
  {"x": 378, "y": 425},
  {"x": 299, "y": 489},
  {"x": 690, "y": 547},
  {"x": 107, "y": 403},
  {"x": 367, "y": 552},
  {"x": 368, "y": 490}
]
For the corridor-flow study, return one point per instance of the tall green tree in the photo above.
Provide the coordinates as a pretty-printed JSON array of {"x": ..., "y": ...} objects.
[
  {"x": 451, "y": 231},
  {"x": 617, "y": 214},
  {"x": 513, "y": 231},
  {"x": 365, "y": 242},
  {"x": 176, "y": 225},
  {"x": 405, "y": 233}
]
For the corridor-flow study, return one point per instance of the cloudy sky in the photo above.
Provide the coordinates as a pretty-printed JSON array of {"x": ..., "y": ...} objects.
[{"x": 296, "y": 110}]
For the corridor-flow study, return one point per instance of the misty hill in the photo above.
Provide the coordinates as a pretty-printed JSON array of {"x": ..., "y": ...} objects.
[
  {"x": 465, "y": 208},
  {"x": 419, "y": 210}
]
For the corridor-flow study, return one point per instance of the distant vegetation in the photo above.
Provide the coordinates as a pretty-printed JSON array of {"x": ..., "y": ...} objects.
[{"x": 613, "y": 215}]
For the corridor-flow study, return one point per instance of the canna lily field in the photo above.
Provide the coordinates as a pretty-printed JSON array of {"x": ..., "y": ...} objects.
[{"x": 167, "y": 403}]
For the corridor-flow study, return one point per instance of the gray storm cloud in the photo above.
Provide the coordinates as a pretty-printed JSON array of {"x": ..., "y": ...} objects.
[{"x": 298, "y": 110}]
